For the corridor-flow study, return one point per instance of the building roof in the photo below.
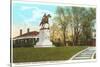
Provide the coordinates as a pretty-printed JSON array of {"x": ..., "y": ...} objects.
[{"x": 32, "y": 34}]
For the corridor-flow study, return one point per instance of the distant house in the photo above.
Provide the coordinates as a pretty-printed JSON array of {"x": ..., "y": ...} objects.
[{"x": 27, "y": 39}]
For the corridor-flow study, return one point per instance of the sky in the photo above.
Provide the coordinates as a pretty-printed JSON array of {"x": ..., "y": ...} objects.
[{"x": 28, "y": 15}]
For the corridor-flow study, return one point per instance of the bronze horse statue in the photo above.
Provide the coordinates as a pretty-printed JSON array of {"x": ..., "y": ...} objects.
[{"x": 45, "y": 19}]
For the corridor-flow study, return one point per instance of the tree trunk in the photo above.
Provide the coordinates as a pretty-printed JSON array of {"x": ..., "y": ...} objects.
[
  {"x": 75, "y": 37},
  {"x": 64, "y": 35}
]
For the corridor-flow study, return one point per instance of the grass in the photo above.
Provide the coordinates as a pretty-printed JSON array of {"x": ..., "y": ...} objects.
[
  {"x": 44, "y": 54},
  {"x": 95, "y": 56}
]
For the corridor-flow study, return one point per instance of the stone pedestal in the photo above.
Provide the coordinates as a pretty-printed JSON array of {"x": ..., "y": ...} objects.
[{"x": 44, "y": 38}]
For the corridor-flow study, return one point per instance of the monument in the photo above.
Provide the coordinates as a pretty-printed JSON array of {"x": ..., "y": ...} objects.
[{"x": 44, "y": 34}]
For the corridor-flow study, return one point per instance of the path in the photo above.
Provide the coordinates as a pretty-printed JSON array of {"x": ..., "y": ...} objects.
[{"x": 85, "y": 54}]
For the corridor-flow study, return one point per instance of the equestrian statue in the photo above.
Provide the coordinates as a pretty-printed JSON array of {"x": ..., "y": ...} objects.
[{"x": 45, "y": 20}]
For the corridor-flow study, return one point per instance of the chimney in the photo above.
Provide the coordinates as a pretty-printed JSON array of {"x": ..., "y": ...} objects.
[
  {"x": 20, "y": 32},
  {"x": 28, "y": 30}
]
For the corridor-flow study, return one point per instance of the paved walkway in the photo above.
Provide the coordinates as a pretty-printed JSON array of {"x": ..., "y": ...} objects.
[{"x": 88, "y": 53}]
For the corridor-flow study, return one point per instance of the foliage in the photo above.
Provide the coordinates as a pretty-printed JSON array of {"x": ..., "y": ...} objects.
[
  {"x": 61, "y": 18},
  {"x": 78, "y": 21}
]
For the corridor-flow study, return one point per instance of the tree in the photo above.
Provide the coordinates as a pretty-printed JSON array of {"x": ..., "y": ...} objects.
[
  {"x": 63, "y": 20},
  {"x": 88, "y": 23},
  {"x": 82, "y": 23},
  {"x": 76, "y": 13},
  {"x": 55, "y": 31},
  {"x": 78, "y": 20}
]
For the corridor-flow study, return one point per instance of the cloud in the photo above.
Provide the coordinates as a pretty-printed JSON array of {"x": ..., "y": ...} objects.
[
  {"x": 37, "y": 14},
  {"x": 27, "y": 7}
]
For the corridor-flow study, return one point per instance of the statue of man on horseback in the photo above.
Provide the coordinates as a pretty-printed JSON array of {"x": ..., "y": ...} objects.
[{"x": 45, "y": 20}]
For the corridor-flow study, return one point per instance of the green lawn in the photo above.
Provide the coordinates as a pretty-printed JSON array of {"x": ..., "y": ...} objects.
[
  {"x": 44, "y": 54},
  {"x": 95, "y": 56}
]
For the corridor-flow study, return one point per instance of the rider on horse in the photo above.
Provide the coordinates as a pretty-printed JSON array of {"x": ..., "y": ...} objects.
[{"x": 45, "y": 19}]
